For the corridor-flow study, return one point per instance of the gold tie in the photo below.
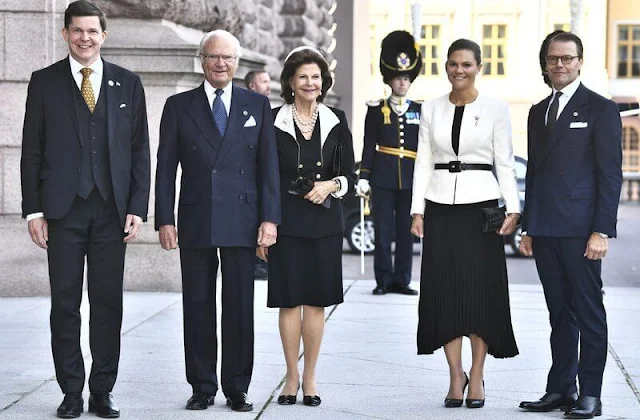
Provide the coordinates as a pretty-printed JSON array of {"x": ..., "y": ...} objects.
[{"x": 87, "y": 90}]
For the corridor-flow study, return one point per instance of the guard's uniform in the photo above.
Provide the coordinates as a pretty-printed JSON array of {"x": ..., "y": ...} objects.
[{"x": 388, "y": 157}]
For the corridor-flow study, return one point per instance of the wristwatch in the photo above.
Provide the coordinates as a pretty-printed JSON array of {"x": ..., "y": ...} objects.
[{"x": 602, "y": 235}]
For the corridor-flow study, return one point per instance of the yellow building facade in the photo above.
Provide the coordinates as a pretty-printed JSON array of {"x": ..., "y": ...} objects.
[{"x": 623, "y": 64}]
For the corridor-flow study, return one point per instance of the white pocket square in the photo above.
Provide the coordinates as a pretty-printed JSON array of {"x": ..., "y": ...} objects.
[
  {"x": 579, "y": 125},
  {"x": 123, "y": 105},
  {"x": 251, "y": 122}
]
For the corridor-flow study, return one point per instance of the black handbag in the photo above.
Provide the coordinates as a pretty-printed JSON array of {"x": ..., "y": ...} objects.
[{"x": 493, "y": 218}]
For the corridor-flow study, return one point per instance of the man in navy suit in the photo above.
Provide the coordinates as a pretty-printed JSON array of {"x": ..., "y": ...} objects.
[
  {"x": 574, "y": 178},
  {"x": 223, "y": 138},
  {"x": 85, "y": 191}
]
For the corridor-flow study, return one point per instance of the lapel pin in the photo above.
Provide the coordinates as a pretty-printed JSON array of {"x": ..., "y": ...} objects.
[
  {"x": 575, "y": 114},
  {"x": 244, "y": 113},
  {"x": 110, "y": 82},
  {"x": 117, "y": 83}
]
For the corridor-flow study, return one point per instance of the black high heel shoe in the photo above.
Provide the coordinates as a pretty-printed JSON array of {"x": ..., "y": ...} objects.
[
  {"x": 474, "y": 402},
  {"x": 288, "y": 399},
  {"x": 457, "y": 402},
  {"x": 310, "y": 400}
]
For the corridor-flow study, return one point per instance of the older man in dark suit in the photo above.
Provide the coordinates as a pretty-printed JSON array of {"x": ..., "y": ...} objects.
[
  {"x": 574, "y": 178},
  {"x": 224, "y": 140},
  {"x": 85, "y": 192}
]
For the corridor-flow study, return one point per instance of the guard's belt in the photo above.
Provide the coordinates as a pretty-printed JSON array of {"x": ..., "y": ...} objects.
[
  {"x": 457, "y": 166},
  {"x": 397, "y": 151}
]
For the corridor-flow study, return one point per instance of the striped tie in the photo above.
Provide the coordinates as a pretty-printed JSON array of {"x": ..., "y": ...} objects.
[{"x": 87, "y": 90}]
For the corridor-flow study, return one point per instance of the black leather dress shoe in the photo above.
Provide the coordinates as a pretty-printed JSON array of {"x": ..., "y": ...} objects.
[
  {"x": 200, "y": 401},
  {"x": 585, "y": 408},
  {"x": 550, "y": 401},
  {"x": 102, "y": 405},
  {"x": 71, "y": 406},
  {"x": 379, "y": 291},
  {"x": 403, "y": 290},
  {"x": 457, "y": 402},
  {"x": 238, "y": 402},
  {"x": 311, "y": 400}
]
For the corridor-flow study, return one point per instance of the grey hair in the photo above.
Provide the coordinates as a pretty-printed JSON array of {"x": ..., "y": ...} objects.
[{"x": 222, "y": 34}]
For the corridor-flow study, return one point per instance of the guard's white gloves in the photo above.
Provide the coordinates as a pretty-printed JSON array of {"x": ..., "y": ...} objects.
[{"x": 362, "y": 188}]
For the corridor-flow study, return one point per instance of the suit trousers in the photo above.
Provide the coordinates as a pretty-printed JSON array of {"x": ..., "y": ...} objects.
[
  {"x": 572, "y": 289},
  {"x": 90, "y": 229},
  {"x": 199, "y": 269},
  {"x": 392, "y": 219}
]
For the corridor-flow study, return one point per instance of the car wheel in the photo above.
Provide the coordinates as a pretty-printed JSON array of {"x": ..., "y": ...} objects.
[
  {"x": 355, "y": 234},
  {"x": 514, "y": 240}
]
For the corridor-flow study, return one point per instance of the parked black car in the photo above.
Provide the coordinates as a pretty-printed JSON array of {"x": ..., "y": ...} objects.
[{"x": 351, "y": 209}]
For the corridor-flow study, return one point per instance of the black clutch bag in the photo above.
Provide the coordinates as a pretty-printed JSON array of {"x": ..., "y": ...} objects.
[{"x": 493, "y": 218}]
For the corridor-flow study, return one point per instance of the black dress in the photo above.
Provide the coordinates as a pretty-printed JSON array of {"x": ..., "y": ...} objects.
[
  {"x": 305, "y": 270},
  {"x": 463, "y": 285}
]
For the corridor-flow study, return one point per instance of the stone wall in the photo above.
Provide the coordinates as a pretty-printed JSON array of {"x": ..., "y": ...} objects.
[{"x": 156, "y": 39}]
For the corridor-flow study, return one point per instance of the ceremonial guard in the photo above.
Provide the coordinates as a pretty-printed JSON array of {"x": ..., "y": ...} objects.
[{"x": 388, "y": 157}]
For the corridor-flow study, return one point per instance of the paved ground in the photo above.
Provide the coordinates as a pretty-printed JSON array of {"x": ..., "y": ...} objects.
[{"x": 368, "y": 368}]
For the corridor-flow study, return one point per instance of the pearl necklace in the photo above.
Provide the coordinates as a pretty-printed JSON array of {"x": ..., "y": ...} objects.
[{"x": 305, "y": 127}]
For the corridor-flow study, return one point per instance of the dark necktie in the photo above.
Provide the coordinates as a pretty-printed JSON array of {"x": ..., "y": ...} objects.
[
  {"x": 552, "y": 116},
  {"x": 219, "y": 113}
]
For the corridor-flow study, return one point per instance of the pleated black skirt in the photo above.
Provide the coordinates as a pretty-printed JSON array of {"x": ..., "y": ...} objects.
[
  {"x": 305, "y": 271},
  {"x": 463, "y": 285}
]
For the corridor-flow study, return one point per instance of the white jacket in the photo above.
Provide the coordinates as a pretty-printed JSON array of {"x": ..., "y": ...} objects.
[{"x": 485, "y": 137}]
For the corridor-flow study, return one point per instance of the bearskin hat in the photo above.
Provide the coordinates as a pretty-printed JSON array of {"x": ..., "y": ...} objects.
[{"x": 399, "y": 56}]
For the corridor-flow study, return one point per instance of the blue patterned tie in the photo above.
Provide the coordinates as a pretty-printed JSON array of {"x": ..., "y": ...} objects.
[{"x": 219, "y": 113}]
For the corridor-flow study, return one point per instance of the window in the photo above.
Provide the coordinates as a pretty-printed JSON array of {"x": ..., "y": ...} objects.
[
  {"x": 494, "y": 46},
  {"x": 629, "y": 51},
  {"x": 630, "y": 150},
  {"x": 428, "y": 43}
]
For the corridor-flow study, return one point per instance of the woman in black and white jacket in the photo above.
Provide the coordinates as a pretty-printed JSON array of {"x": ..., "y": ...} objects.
[{"x": 464, "y": 289}]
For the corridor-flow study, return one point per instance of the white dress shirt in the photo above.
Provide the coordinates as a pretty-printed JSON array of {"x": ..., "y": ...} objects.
[
  {"x": 567, "y": 93},
  {"x": 210, "y": 91}
]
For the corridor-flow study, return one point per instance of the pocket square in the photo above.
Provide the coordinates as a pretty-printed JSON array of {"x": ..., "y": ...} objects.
[
  {"x": 251, "y": 122},
  {"x": 579, "y": 125},
  {"x": 123, "y": 105}
]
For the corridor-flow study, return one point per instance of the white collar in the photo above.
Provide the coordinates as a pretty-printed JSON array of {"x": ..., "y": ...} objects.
[
  {"x": 97, "y": 66},
  {"x": 569, "y": 90},
  {"x": 328, "y": 119},
  {"x": 211, "y": 91}
]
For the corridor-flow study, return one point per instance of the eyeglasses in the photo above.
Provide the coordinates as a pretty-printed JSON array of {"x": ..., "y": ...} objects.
[
  {"x": 566, "y": 59},
  {"x": 212, "y": 58}
]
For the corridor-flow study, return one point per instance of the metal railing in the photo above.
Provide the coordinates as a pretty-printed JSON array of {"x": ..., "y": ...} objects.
[{"x": 631, "y": 180}]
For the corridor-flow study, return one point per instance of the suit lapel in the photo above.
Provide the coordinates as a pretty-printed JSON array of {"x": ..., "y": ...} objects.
[
  {"x": 112, "y": 90},
  {"x": 561, "y": 126},
  {"x": 235, "y": 123},
  {"x": 202, "y": 117},
  {"x": 328, "y": 120},
  {"x": 67, "y": 87}
]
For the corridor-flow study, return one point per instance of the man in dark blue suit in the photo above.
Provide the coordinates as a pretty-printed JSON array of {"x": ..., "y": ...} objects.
[
  {"x": 574, "y": 178},
  {"x": 85, "y": 191},
  {"x": 223, "y": 138}
]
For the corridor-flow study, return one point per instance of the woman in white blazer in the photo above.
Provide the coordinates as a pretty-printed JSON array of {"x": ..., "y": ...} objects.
[{"x": 464, "y": 137}]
